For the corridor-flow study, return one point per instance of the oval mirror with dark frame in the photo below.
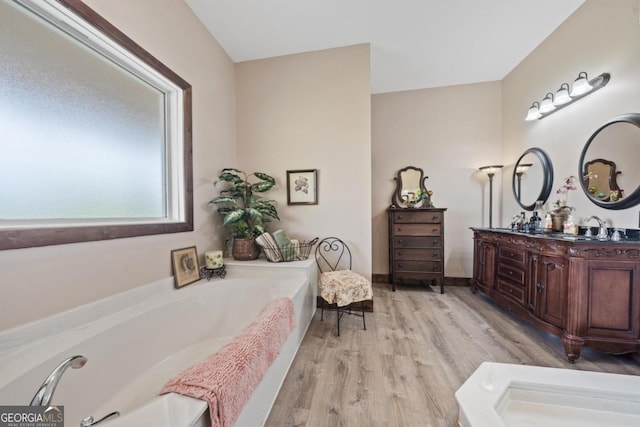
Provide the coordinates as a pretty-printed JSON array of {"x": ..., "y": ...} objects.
[
  {"x": 532, "y": 178},
  {"x": 410, "y": 188},
  {"x": 609, "y": 163}
]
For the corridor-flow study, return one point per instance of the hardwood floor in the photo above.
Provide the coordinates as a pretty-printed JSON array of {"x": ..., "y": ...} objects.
[{"x": 418, "y": 349}]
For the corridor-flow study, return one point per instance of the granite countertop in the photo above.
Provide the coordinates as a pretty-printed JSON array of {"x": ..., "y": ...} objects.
[{"x": 628, "y": 235}]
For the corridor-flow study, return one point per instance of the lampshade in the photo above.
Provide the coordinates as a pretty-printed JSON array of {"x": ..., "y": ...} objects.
[
  {"x": 581, "y": 85},
  {"x": 533, "y": 112},
  {"x": 562, "y": 95},
  {"x": 546, "y": 104},
  {"x": 491, "y": 170},
  {"x": 522, "y": 168}
]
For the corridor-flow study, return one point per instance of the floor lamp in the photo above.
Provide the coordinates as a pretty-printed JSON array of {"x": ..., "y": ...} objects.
[
  {"x": 521, "y": 168},
  {"x": 491, "y": 171}
]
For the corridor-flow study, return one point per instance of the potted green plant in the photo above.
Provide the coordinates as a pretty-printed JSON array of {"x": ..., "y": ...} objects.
[{"x": 243, "y": 210}]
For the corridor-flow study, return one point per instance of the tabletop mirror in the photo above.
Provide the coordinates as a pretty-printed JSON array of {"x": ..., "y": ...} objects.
[
  {"x": 609, "y": 163},
  {"x": 410, "y": 189},
  {"x": 532, "y": 178}
]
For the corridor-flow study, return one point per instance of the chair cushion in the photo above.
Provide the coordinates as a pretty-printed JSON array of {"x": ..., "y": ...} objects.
[{"x": 344, "y": 287}]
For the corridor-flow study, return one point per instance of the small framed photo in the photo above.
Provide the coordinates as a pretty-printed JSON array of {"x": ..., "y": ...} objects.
[
  {"x": 302, "y": 187},
  {"x": 185, "y": 266}
]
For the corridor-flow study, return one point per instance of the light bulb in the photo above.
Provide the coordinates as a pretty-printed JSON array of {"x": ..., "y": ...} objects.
[
  {"x": 546, "y": 105},
  {"x": 533, "y": 112},
  {"x": 562, "y": 95},
  {"x": 581, "y": 85}
]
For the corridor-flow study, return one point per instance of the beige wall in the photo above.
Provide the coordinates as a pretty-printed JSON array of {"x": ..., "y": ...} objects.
[
  {"x": 312, "y": 111},
  {"x": 601, "y": 36},
  {"x": 449, "y": 132},
  {"x": 38, "y": 282}
]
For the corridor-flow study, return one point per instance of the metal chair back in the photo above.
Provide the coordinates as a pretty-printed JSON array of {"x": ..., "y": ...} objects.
[{"x": 332, "y": 254}]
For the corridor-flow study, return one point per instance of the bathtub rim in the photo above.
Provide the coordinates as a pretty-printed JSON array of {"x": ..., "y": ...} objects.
[
  {"x": 20, "y": 347},
  {"x": 479, "y": 396}
]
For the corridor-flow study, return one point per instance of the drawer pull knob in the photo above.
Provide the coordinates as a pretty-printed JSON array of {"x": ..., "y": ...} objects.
[
  {"x": 399, "y": 216},
  {"x": 435, "y": 253},
  {"x": 511, "y": 273},
  {"x": 435, "y": 241},
  {"x": 510, "y": 291}
]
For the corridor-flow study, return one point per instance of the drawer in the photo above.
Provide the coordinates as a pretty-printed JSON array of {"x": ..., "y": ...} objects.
[
  {"x": 417, "y": 229},
  {"x": 414, "y": 276},
  {"x": 514, "y": 274},
  {"x": 413, "y": 217},
  {"x": 514, "y": 255},
  {"x": 417, "y": 242},
  {"x": 417, "y": 254},
  {"x": 514, "y": 291},
  {"x": 419, "y": 266}
]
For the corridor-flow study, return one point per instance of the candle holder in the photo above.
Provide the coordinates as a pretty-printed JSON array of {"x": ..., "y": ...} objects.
[{"x": 208, "y": 273}]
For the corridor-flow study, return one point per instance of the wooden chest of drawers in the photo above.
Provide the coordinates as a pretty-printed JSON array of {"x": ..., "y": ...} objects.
[{"x": 416, "y": 246}]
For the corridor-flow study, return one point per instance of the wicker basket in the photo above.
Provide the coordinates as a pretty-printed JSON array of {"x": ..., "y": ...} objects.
[
  {"x": 292, "y": 252},
  {"x": 245, "y": 249}
]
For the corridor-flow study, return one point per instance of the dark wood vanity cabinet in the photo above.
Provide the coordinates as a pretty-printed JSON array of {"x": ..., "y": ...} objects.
[
  {"x": 585, "y": 292},
  {"x": 416, "y": 246}
]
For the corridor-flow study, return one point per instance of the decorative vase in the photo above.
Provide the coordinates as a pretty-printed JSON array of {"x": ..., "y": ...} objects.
[
  {"x": 245, "y": 249},
  {"x": 557, "y": 221}
]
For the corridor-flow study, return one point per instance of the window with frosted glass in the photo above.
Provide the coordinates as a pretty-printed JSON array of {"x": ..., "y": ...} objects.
[{"x": 83, "y": 136}]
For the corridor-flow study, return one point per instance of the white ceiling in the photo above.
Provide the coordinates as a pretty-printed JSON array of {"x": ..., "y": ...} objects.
[{"x": 414, "y": 43}]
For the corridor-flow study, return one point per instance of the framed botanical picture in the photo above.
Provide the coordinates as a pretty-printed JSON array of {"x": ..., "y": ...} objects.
[
  {"x": 185, "y": 266},
  {"x": 302, "y": 187}
]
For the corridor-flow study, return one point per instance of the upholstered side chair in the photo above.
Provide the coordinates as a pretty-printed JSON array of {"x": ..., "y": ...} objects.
[{"x": 338, "y": 284}]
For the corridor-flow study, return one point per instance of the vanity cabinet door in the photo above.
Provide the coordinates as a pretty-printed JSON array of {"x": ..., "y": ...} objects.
[
  {"x": 548, "y": 289},
  {"x": 485, "y": 266},
  {"x": 613, "y": 294}
]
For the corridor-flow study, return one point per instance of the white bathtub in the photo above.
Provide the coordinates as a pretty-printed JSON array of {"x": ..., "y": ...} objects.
[
  {"x": 505, "y": 395},
  {"x": 136, "y": 341}
]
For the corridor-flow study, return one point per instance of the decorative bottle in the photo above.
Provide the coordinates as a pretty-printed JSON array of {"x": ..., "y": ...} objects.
[
  {"x": 569, "y": 226},
  {"x": 535, "y": 223},
  {"x": 547, "y": 224}
]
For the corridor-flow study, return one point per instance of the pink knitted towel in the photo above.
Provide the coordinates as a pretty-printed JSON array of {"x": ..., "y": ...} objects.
[{"x": 227, "y": 378}]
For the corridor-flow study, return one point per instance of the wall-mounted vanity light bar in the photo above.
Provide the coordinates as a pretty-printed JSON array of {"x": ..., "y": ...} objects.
[{"x": 582, "y": 87}]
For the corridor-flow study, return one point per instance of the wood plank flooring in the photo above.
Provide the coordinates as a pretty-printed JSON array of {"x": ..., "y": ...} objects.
[{"x": 418, "y": 349}]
